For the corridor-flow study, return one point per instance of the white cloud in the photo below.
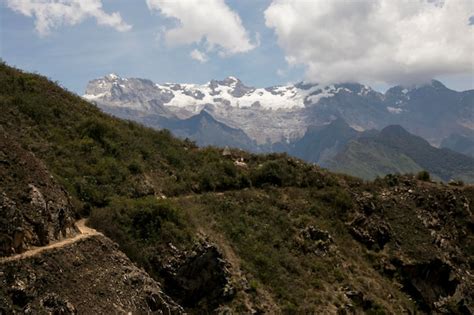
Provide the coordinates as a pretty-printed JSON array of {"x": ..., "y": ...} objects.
[
  {"x": 210, "y": 22},
  {"x": 50, "y": 14},
  {"x": 404, "y": 41},
  {"x": 198, "y": 55}
]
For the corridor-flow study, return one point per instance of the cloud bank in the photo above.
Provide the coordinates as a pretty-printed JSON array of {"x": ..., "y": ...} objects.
[
  {"x": 210, "y": 22},
  {"x": 387, "y": 41},
  {"x": 51, "y": 14}
]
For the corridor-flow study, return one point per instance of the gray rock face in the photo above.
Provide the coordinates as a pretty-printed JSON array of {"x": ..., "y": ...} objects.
[
  {"x": 34, "y": 209},
  {"x": 196, "y": 94},
  {"x": 138, "y": 94}
]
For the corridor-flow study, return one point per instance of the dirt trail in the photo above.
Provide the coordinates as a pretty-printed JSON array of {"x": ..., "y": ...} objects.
[
  {"x": 84, "y": 232},
  {"x": 195, "y": 195}
]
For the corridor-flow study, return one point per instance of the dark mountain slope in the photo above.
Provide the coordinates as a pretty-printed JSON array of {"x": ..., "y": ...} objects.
[
  {"x": 320, "y": 144},
  {"x": 460, "y": 143},
  {"x": 368, "y": 159},
  {"x": 202, "y": 128},
  {"x": 443, "y": 162},
  {"x": 206, "y": 130}
]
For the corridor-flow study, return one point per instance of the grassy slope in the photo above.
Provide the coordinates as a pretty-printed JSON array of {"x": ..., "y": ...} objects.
[
  {"x": 369, "y": 160},
  {"x": 394, "y": 150},
  {"x": 115, "y": 169}
]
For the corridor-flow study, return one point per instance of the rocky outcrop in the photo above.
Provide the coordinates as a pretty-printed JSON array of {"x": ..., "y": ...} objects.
[
  {"x": 35, "y": 209},
  {"x": 357, "y": 301},
  {"x": 425, "y": 230},
  {"x": 87, "y": 277},
  {"x": 314, "y": 240},
  {"x": 370, "y": 230},
  {"x": 367, "y": 224},
  {"x": 428, "y": 282},
  {"x": 198, "y": 278}
]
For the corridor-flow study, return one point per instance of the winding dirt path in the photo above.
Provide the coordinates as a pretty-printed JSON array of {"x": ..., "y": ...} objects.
[{"x": 84, "y": 232}]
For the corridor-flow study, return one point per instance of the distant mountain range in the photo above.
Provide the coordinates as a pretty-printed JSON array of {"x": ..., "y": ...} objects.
[{"x": 334, "y": 126}]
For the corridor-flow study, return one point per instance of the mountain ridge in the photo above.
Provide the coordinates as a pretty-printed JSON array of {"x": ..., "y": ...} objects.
[
  {"x": 284, "y": 113},
  {"x": 399, "y": 151}
]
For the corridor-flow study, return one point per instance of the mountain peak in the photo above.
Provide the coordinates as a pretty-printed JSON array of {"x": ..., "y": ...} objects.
[
  {"x": 437, "y": 84},
  {"x": 232, "y": 78},
  {"x": 431, "y": 84},
  {"x": 400, "y": 136},
  {"x": 205, "y": 114},
  {"x": 394, "y": 130},
  {"x": 230, "y": 81},
  {"x": 305, "y": 85},
  {"x": 410, "y": 88},
  {"x": 112, "y": 76}
]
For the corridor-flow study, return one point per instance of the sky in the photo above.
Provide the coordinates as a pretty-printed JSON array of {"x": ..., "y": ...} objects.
[{"x": 262, "y": 42}]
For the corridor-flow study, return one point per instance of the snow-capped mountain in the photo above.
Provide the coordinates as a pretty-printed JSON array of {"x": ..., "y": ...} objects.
[
  {"x": 267, "y": 115},
  {"x": 280, "y": 115},
  {"x": 230, "y": 91}
]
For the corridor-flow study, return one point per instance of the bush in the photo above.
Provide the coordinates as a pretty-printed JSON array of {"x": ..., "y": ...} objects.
[
  {"x": 272, "y": 173},
  {"x": 135, "y": 167},
  {"x": 140, "y": 225},
  {"x": 458, "y": 182},
  {"x": 424, "y": 176}
]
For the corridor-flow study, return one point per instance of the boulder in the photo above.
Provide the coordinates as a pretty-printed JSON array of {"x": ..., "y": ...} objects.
[
  {"x": 371, "y": 230},
  {"x": 199, "y": 276}
]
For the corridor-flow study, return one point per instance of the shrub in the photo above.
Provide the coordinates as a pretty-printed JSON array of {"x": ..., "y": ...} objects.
[
  {"x": 135, "y": 167},
  {"x": 458, "y": 182},
  {"x": 142, "y": 224},
  {"x": 424, "y": 176},
  {"x": 276, "y": 173}
]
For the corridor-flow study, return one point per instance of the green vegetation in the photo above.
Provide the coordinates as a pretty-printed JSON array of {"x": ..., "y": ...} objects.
[
  {"x": 142, "y": 226},
  {"x": 424, "y": 176},
  {"x": 394, "y": 150},
  {"x": 369, "y": 160}
]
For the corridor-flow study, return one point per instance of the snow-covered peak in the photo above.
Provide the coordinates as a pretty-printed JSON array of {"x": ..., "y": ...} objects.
[
  {"x": 409, "y": 89},
  {"x": 112, "y": 76},
  {"x": 222, "y": 93},
  {"x": 231, "y": 80}
]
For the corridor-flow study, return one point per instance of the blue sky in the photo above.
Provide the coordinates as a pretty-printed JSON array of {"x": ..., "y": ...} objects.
[{"x": 75, "y": 54}]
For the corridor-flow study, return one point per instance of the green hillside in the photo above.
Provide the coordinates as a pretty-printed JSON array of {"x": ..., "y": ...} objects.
[
  {"x": 241, "y": 233},
  {"x": 369, "y": 160},
  {"x": 394, "y": 150}
]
